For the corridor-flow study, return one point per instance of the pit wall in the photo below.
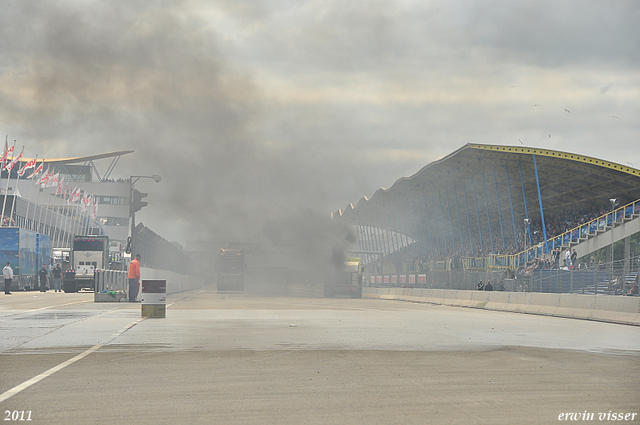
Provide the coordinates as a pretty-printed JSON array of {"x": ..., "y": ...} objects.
[
  {"x": 175, "y": 282},
  {"x": 603, "y": 308}
]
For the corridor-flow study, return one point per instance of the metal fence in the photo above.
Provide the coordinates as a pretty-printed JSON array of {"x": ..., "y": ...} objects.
[
  {"x": 616, "y": 278},
  {"x": 111, "y": 280}
]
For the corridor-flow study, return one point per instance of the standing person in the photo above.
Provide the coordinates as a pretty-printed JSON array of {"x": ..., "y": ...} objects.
[
  {"x": 44, "y": 277},
  {"x": 567, "y": 258},
  {"x": 7, "y": 272},
  {"x": 134, "y": 278},
  {"x": 556, "y": 258},
  {"x": 57, "y": 277},
  {"x": 574, "y": 258},
  {"x": 489, "y": 286}
]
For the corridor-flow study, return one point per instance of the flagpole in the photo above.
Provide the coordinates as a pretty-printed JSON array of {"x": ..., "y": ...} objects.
[
  {"x": 26, "y": 215},
  {"x": 52, "y": 211},
  {"x": 76, "y": 227},
  {"x": 70, "y": 224},
  {"x": 40, "y": 183},
  {"x": 15, "y": 200},
  {"x": 46, "y": 213},
  {"x": 34, "y": 225},
  {"x": 57, "y": 234},
  {"x": 6, "y": 190}
]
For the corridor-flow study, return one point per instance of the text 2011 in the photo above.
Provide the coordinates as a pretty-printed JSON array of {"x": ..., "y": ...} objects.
[{"x": 17, "y": 415}]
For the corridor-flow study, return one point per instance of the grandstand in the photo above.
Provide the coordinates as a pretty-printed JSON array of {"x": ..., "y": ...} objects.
[{"x": 499, "y": 209}]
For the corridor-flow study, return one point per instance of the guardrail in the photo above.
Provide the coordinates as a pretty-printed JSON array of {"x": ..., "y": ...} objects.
[
  {"x": 590, "y": 228},
  {"x": 111, "y": 280}
]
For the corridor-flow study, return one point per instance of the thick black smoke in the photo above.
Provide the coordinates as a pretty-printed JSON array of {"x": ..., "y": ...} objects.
[{"x": 319, "y": 242}]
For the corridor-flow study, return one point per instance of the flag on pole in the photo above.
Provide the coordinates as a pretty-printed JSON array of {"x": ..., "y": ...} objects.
[
  {"x": 5, "y": 154},
  {"x": 12, "y": 163},
  {"x": 37, "y": 170},
  {"x": 60, "y": 184},
  {"x": 75, "y": 195},
  {"x": 86, "y": 200},
  {"x": 28, "y": 165},
  {"x": 95, "y": 209},
  {"x": 71, "y": 195},
  {"x": 53, "y": 180},
  {"x": 7, "y": 150},
  {"x": 45, "y": 178}
]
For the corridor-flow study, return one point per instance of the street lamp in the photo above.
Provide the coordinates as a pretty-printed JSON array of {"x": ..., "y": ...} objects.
[{"x": 136, "y": 203}]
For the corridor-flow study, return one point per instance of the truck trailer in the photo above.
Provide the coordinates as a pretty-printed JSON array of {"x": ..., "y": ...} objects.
[
  {"x": 88, "y": 254},
  {"x": 231, "y": 270},
  {"x": 347, "y": 282},
  {"x": 27, "y": 251}
]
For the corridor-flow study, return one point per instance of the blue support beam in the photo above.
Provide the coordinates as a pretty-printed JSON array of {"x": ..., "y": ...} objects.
[
  {"x": 524, "y": 198},
  {"x": 544, "y": 228}
]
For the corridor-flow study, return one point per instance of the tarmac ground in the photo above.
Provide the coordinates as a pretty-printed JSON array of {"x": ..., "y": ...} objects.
[{"x": 284, "y": 359}]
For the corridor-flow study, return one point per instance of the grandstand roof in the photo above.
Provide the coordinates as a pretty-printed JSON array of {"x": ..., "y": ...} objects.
[
  {"x": 81, "y": 159},
  {"x": 479, "y": 185}
]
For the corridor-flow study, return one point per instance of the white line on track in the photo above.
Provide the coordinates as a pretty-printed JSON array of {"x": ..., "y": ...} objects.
[
  {"x": 15, "y": 390},
  {"x": 48, "y": 307}
]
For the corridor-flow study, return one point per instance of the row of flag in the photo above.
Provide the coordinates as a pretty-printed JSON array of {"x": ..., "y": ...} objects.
[{"x": 49, "y": 179}]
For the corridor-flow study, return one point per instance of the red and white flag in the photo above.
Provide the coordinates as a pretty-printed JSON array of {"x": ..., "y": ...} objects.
[
  {"x": 45, "y": 178},
  {"x": 53, "y": 180},
  {"x": 14, "y": 162},
  {"x": 5, "y": 154},
  {"x": 95, "y": 209},
  {"x": 37, "y": 170},
  {"x": 27, "y": 166},
  {"x": 60, "y": 184},
  {"x": 75, "y": 195},
  {"x": 72, "y": 194}
]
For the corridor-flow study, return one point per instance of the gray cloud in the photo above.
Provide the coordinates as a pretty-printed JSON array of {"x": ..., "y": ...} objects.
[{"x": 253, "y": 110}]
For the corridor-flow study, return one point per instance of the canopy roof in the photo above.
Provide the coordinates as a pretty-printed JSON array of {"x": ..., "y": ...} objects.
[{"x": 484, "y": 189}]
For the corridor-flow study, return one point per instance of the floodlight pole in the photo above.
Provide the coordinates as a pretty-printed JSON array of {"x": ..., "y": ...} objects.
[{"x": 132, "y": 213}]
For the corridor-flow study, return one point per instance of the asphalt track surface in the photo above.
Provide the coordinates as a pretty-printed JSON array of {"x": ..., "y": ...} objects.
[{"x": 261, "y": 359}]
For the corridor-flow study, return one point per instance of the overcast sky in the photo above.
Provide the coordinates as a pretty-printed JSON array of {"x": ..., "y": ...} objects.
[{"x": 252, "y": 110}]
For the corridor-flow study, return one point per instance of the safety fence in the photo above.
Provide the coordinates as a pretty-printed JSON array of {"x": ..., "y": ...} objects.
[
  {"x": 575, "y": 235},
  {"x": 619, "y": 278},
  {"x": 111, "y": 280}
]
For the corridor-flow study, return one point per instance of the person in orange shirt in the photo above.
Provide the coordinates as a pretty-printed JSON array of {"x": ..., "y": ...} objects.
[{"x": 134, "y": 278}]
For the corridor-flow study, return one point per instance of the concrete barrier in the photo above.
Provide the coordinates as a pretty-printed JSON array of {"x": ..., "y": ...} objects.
[
  {"x": 431, "y": 296},
  {"x": 617, "y": 309},
  {"x": 479, "y": 299},
  {"x": 605, "y": 308},
  {"x": 449, "y": 296},
  {"x": 463, "y": 299},
  {"x": 575, "y": 306},
  {"x": 518, "y": 302},
  {"x": 498, "y": 301},
  {"x": 544, "y": 304}
]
